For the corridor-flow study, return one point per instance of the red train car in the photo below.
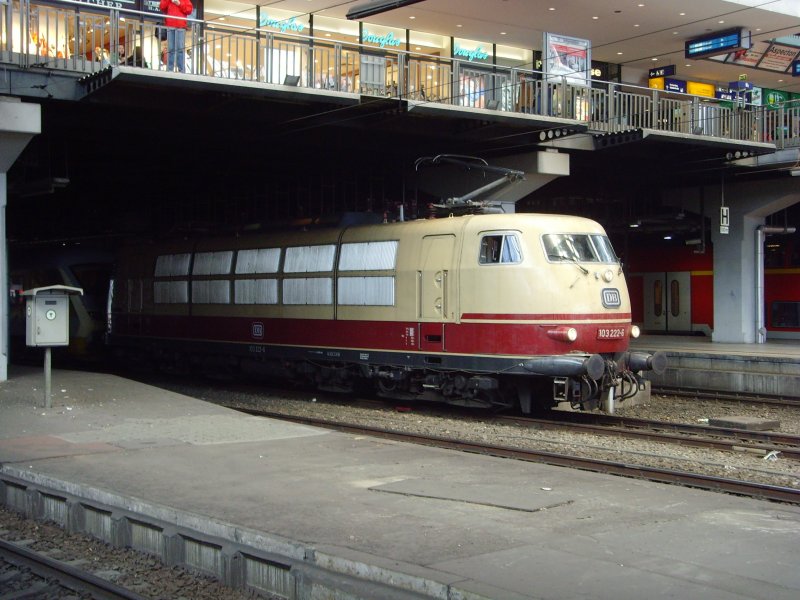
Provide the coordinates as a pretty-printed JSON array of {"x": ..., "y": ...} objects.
[{"x": 672, "y": 288}]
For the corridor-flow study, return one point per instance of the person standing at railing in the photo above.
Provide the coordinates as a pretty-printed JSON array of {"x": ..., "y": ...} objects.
[{"x": 176, "y": 11}]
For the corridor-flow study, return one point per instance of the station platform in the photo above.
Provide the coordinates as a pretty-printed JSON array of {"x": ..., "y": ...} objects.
[
  {"x": 695, "y": 362},
  {"x": 307, "y": 513}
]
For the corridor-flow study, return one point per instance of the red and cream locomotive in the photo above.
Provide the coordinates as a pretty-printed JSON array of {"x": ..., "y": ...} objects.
[{"x": 478, "y": 310}]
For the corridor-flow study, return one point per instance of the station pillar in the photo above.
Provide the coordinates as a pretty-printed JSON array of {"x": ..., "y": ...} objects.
[
  {"x": 735, "y": 269},
  {"x": 19, "y": 122}
]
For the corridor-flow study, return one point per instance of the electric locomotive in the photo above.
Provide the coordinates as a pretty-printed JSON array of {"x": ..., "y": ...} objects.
[{"x": 479, "y": 310}]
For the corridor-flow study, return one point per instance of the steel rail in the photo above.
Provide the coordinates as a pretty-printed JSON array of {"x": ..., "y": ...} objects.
[
  {"x": 66, "y": 575},
  {"x": 765, "y": 442},
  {"x": 704, "y": 394},
  {"x": 706, "y": 482}
]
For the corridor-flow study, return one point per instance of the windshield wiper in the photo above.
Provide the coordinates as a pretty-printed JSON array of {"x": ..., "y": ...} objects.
[{"x": 571, "y": 259}]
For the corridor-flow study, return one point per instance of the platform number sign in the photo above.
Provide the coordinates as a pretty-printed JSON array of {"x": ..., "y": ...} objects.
[{"x": 724, "y": 219}]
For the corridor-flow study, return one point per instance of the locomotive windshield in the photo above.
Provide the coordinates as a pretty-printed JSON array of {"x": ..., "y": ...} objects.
[{"x": 579, "y": 247}]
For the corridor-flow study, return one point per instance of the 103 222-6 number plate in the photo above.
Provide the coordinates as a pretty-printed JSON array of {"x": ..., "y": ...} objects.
[{"x": 610, "y": 333}]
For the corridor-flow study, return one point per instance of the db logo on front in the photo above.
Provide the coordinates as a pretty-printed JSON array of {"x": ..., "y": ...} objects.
[{"x": 257, "y": 330}]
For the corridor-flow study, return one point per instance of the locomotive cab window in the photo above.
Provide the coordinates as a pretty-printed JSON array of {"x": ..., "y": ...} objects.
[
  {"x": 500, "y": 248},
  {"x": 578, "y": 247}
]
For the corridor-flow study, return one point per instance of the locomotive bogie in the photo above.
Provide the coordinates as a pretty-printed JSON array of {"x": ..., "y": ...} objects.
[{"x": 474, "y": 310}]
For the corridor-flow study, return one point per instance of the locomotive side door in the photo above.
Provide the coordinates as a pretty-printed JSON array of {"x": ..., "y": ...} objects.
[
  {"x": 668, "y": 302},
  {"x": 434, "y": 289}
]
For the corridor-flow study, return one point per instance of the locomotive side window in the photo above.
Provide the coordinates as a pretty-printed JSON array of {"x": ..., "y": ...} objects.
[
  {"x": 212, "y": 263},
  {"x": 171, "y": 265},
  {"x": 171, "y": 292},
  {"x": 309, "y": 259},
  {"x": 175, "y": 291},
  {"x": 368, "y": 256},
  {"x": 258, "y": 260},
  {"x": 256, "y": 291},
  {"x": 311, "y": 290},
  {"x": 502, "y": 248},
  {"x": 366, "y": 291},
  {"x": 604, "y": 249},
  {"x": 211, "y": 291},
  {"x": 578, "y": 247}
]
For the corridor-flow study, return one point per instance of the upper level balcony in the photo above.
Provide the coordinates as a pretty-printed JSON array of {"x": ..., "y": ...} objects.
[{"x": 98, "y": 46}]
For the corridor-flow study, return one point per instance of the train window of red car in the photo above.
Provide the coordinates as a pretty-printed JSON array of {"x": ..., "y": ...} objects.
[
  {"x": 785, "y": 314},
  {"x": 658, "y": 298},
  {"x": 675, "y": 298},
  {"x": 500, "y": 248}
]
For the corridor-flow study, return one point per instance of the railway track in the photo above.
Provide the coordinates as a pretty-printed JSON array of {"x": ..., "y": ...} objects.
[
  {"x": 37, "y": 576},
  {"x": 707, "y": 482},
  {"x": 701, "y": 394},
  {"x": 717, "y": 438}
]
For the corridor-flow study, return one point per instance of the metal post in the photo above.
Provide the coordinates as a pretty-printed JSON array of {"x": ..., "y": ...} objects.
[
  {"x": 48, "y": 402},
  {"x": 610, "y": 407}
]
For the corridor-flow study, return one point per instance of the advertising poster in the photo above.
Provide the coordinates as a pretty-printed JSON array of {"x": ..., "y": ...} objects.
[
  {"x": 778, "y": 58},
  {"x": 749, "y": 58},
  {"x": 568, "y": 57}
]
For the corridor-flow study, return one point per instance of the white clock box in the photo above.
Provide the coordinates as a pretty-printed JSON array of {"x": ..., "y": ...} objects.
[{"x": 47, "y": 315}]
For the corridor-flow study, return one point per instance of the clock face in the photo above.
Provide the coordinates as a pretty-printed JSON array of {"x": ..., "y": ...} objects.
[{"x": 50, "y": 314}]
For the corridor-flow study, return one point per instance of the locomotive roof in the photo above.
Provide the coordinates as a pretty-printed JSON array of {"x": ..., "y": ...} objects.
[{"x": 544, "y": 223}]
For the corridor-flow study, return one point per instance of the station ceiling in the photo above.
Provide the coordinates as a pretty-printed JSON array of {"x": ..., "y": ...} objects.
[{"x": 147, "y": 154}]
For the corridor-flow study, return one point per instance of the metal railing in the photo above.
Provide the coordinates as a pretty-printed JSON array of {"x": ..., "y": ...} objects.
[{"x": 75, "y": 36}]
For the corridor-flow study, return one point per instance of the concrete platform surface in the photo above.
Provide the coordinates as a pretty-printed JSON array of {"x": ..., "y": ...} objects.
[{"x": 360, "y": 517}]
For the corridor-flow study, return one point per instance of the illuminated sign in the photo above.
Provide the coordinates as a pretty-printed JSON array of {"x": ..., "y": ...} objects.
[
  {"x": 675, "y": 85},
  {"x": 664, "y": 71},
  {"x": 282, "y": 25},
  {"x": 796, "y": 68},
  {"x": 477, "y": 54},
  {"x": 718, "y": 43},
  {"x": 381, "y": 40}
]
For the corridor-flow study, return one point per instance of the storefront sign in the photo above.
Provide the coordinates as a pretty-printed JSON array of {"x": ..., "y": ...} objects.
[
  {"x": 282, "y": 25},
  {"x": 382, "y": 40},
  {"x": 471, "y": 54},
  {"x": 771, "y": 97}
]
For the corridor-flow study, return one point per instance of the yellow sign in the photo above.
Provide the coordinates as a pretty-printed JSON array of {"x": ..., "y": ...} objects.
[
  {"x": 656, "y": 83},
  {"x": 700, "y": 89}
]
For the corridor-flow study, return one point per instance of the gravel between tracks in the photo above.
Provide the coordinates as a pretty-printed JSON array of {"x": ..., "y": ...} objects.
[
  {"x": 133, "y": 570},
  {"x": 480, "y": 427}
]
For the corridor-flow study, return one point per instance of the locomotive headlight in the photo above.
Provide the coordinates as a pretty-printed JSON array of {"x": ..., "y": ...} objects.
[
  {"x": 563, "y": 334},
  {"x": 608, "y": 275},
  {"x": 635, "y": 332}
]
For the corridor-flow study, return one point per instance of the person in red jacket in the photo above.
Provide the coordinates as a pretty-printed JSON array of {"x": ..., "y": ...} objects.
[{"x": 176, "y": 11}]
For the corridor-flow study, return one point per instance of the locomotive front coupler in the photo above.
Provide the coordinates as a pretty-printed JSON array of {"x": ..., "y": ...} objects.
[{"x": 642, "y": 361}]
